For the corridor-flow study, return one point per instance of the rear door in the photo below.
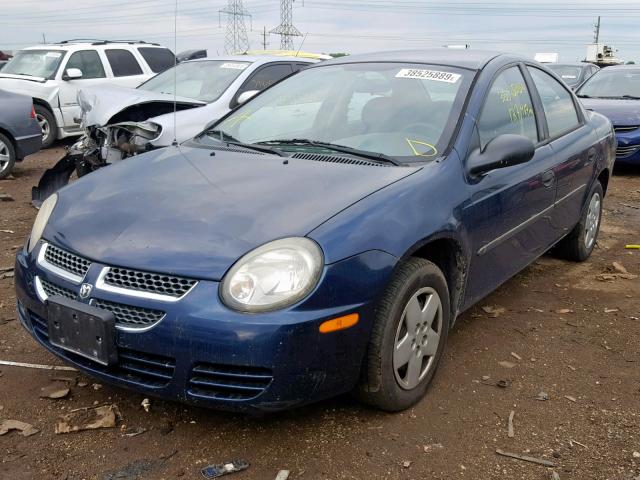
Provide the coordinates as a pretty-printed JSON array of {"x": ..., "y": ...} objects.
[
  {"x": 126, "y": 70},
  {"x": 572, "y": 142},
  {"x": 508, "y": 214}
]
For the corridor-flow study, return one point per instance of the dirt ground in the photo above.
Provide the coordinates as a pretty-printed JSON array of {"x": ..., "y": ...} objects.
[{"x": 567, "y": 333}]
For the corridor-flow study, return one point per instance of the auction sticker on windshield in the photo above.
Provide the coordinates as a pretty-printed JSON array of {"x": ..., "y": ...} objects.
[
  {"x": 428, "y": 75},
  {"x": 235, "y": 66}
]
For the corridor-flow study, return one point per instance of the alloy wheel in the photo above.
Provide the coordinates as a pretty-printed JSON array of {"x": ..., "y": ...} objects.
[
  {"x": 5, "y": 158},
  {"x": 44, "y": 125},
  {"x": 417, "y": 338},
  {"x": 592, "y": 221}
]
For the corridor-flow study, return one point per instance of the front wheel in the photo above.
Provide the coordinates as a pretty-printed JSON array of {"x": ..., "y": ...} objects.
[
  {"x": 47, "y": 123},
  {"x": 581, "y": 241},
  {"x": 408, "y": 338}
]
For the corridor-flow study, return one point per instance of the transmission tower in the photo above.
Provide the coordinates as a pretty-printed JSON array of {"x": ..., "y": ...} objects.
[
  {"x": 286, "y": 30},
  {"x": 236, "y": 39}
]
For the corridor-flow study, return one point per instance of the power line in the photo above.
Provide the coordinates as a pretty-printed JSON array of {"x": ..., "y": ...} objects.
[
  {"x": 236, "y": 38},
  {"x": 286, "y": 30}
]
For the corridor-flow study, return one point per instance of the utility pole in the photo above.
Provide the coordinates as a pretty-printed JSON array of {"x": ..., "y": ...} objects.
[
  {"x": 264, "y": 38},
  {"x": 286, "y": 30},
  {"x": 44, "y": 39},
  {"x": 236, "y": 39},
  {"x": 597, "y": 31}
]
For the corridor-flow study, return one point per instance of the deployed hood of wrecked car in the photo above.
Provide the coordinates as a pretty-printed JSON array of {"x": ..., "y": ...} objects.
[
  {"x": 100, "y": 104},
  {"x": 182, "y": 211}
]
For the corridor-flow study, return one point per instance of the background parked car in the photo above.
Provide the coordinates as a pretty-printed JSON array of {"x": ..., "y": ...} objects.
[
  {"x": 122, "y": 122},
  {"x": 573, "y": 74},
  {"x": 20, "y": 133},
  {"x": 615, "y": 93},
  {"x": 53, "y": 74}
]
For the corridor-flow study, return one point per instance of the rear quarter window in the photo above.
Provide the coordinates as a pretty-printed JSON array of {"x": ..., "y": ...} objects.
[
  {"x": 123, "y": 63},
  {"x": 158, "y": 59}
]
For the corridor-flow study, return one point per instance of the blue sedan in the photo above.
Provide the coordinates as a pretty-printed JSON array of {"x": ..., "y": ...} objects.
[
  {"x": 615, "y": 93},
  {"x": 323, "y": 237}
]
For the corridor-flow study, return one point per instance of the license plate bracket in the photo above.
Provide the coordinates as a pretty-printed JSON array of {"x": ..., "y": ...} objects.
[{"x": 82, "y": 329}]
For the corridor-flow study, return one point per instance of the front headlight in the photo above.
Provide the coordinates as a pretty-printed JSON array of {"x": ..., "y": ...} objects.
[
  {"x": 275, "y": 275},
  {"x": 41, "y": 221}
]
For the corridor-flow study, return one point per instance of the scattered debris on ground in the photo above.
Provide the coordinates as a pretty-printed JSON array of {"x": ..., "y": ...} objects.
[
  {"x": 25, "y": 429},
  {"x": 526, "y": 458},
  {"x": 215, "y": 471},
  {"x": 54, "y": 391},
  {"x": 87, "y": 418}
]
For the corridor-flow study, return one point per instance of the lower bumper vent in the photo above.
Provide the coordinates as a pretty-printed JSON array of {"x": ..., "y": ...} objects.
[{"x": 228, "y": 382}]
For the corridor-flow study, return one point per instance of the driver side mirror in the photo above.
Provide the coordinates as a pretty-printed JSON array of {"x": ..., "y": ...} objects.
[
  {"x": 503, "y": 151},
  {"x": 72, "y": 74},
  {"x": 246, "y": 96}
]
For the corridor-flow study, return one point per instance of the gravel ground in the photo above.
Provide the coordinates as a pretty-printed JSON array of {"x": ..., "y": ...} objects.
[{"x": 565, "y": 331}]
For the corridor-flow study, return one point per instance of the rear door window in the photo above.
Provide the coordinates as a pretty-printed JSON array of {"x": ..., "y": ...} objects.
[
  {"x": 158, "y": 59},
  {"x": 557, "y": 103},
  {"x": 508, "y": 109},
  {"x": 88, "y": 62},
  {"x": 123, "y": 63}
]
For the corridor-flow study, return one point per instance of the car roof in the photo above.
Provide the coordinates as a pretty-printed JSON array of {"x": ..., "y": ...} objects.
[
  {"x": 622, "y": 67},
  {"x": 254, "y": 59},
  {"x": 568, "y": 64},
  {"x": 469, "y": 59},
  {"x": 71, "y": 44}
]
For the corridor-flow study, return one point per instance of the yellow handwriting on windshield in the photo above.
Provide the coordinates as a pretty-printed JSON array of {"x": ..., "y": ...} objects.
[{"x": 422, "y": 149}]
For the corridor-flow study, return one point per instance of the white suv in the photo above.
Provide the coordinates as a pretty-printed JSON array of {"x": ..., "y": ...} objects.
[{"x": 53, "y": 74}]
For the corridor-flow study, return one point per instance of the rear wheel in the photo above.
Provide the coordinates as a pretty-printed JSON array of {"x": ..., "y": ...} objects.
[
  {"x": 7, "y": 156},
  {"x": 47, "y": 123},
  {"x": 581, "y": 241},
  {"x": 408, "y": 337}
]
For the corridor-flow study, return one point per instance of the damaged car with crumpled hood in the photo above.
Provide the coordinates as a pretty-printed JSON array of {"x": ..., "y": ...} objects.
[{"x": 173, "y": 106}]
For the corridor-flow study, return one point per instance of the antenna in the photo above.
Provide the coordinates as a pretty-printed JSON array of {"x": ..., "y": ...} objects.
[
  {"x": 302, "y": 43},
  {"x": 175, "y": 80}
]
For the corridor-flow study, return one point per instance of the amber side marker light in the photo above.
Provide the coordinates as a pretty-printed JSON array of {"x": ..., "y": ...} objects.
[{"x": 339, "y": 323}]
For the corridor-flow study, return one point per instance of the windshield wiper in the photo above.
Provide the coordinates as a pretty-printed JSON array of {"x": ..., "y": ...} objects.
[
  {"x": 633, "y": 97},
  {"x": 380, "y": 157},
  {"x": 224, "y": 137}
]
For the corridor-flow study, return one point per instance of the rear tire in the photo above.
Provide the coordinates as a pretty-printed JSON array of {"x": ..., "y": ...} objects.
[
  {"x": 7, "y": 156},
  {"x": 47, "y": 122},
  {"x": 408, "y": 337},
  {"x": 580, "y": 242}
]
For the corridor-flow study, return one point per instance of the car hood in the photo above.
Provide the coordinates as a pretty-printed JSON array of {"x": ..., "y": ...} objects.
[
  {"x": 620, "y": 112},
  {"x": 100, "y": 104},
  {"x": 182, "y": 211}
]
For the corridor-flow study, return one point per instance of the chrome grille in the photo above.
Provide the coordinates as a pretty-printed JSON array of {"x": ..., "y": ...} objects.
[
  {"x": 625, "y": 129},
  {"x": 66, "y": 260},
  {"x": 228, "y": 382},
  {"x": 128, "y": 315},
  {"x": 626, "y": 150},
  {"x": 50, "y": 289},
  {"x": 148, "y": 282}
]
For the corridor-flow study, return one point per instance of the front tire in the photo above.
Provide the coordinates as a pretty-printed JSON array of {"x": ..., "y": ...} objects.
[
  {"x": 580, "y": 242},
  {"x": 7, "y": 156},
  {"x": 47, "y": 123},
  {"x": 408, "y": 337}
]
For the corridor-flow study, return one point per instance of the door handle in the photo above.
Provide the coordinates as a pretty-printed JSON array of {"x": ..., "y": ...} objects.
[{"x": 548, "y": 178}]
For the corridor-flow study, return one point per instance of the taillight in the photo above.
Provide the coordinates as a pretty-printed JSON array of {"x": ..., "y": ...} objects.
[{"x": 33, "y": 112}]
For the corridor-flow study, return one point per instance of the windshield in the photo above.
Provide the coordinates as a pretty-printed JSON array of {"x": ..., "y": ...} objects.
[
  {"x": 399, "y": 110},
  {"x": 35, "y": 63},
  {"x": 612, "y": 83},
  {"x": 200, "y": 80},
  {"x": 568, "y": 73}
]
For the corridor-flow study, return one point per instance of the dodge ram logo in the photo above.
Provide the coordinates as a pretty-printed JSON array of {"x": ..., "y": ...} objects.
[{"x": 85, "y": 291}]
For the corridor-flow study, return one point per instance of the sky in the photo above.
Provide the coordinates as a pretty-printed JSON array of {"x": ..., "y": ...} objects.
[{"x": 352, "y": 26}]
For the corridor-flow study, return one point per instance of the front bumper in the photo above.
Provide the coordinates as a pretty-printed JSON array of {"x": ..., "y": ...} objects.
[{"x": 203, "y": 353}]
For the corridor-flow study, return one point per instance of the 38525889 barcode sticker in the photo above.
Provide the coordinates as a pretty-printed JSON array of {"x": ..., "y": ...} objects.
[{"x": 436, "y": 75}]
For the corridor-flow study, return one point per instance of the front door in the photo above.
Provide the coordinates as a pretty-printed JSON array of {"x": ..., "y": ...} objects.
[{"x": 509, "y": 210}]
